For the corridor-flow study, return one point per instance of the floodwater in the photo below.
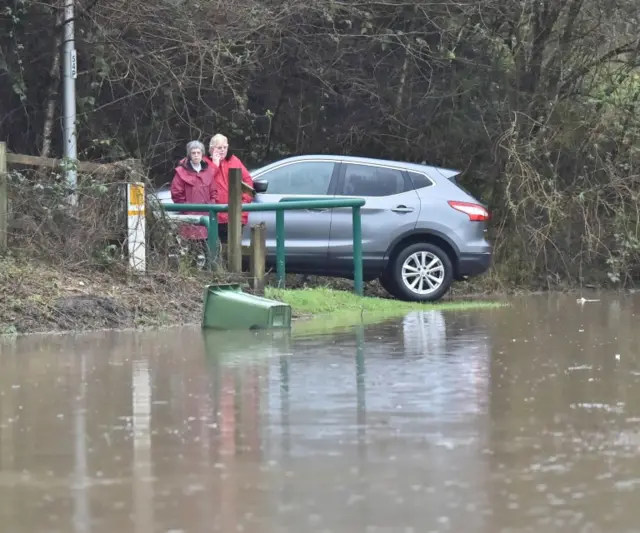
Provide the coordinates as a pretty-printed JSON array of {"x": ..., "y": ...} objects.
[{"x": 524, "y": 419}]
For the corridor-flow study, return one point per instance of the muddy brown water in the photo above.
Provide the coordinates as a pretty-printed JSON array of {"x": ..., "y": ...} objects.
[{"x": 524, "y": 419}]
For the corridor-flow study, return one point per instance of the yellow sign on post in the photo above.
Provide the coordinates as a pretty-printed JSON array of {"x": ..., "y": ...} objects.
[
  {"x": 136, "y": 198},
  {"x": 136, "y": 226}
]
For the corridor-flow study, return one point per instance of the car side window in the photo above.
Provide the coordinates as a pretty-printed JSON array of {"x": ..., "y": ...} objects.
[
  {"x": 369, "y": 180},
  {"x": 419, "y": 180},
  {"x": 304, "y": 177}
]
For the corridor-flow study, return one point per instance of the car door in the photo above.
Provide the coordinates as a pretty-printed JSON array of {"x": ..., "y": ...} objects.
[
  {"x": 306, "y": 231},
  {"x": 392, "y": 207}
]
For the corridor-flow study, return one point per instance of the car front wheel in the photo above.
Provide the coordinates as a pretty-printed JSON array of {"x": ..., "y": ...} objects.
[{"x": 422, "y": 272}]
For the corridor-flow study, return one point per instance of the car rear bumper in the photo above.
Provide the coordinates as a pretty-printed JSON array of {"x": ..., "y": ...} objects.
[{"x": 474, "y": 264}]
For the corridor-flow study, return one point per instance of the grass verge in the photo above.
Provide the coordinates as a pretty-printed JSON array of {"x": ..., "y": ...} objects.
[
  {"x": 323, "y": 300},
  {"x": 332, "y": 308}
]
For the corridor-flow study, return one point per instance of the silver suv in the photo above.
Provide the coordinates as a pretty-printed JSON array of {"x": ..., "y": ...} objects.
[{"x": 420, "y": 230}]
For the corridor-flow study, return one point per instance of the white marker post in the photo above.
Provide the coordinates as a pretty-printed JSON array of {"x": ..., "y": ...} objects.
[{"x": 136, "y": 226}]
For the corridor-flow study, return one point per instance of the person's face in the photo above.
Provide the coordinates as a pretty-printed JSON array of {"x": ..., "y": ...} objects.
[
  {"x": 220, "y": 149},
  {"x": 195, "y": 155}
]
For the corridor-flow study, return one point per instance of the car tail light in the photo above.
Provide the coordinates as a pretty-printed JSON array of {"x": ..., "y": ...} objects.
[{"x": 476, "y": 212}]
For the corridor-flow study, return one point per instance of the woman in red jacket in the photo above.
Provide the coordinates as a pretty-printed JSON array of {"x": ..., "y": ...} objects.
[
  {"x": 221, "y": 161},
  {"x": 193, "y": 183}
]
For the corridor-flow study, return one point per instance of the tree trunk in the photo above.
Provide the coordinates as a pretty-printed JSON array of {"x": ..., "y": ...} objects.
[
  {"x": 403, "y": 80},
  {"x": 52, "y": 90}
]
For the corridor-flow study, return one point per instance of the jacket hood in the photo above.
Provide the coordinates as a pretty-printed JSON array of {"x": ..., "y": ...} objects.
[
  {"x": 186, "y": 164},
  {"x": 187, "y": 172}
]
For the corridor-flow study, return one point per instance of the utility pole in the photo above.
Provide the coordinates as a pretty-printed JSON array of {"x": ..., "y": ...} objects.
[{"x": 69, "y": 107}]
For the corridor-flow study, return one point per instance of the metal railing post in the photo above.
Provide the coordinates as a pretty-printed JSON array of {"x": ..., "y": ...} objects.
[
  {"x": 357, "y": 251},
  {"x": 212, "y": 238},
  {"x": 280, "y": 264}
]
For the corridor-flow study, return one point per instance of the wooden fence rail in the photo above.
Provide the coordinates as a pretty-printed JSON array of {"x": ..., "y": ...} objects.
[{"x": 50, "y": 162}]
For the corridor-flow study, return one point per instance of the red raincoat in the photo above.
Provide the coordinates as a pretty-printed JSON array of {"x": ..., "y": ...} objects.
[
  {"x": 221, "y": 179},
  {"x": 191, "y": 187}
]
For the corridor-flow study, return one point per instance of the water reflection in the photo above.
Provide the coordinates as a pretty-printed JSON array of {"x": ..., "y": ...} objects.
[
  {"x": 519, "y": 419},
  {"x": 142, "y": 461},
  {"x": 81, "y": 518}
]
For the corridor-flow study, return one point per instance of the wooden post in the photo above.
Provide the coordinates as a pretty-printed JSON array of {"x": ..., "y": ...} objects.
[
  {"x": 135, "y": 195},
  {"x": 258, "y": 257},
  {"x": 235, "y": 220},
  {"x": 136, "y": 227},
  {"x": 4, "y": 198}
]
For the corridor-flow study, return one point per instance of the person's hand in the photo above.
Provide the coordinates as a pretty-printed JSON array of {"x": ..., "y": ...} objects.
[{"x": 215, "y": 157}]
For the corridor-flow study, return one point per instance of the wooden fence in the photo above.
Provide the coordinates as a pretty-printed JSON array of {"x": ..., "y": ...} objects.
[{"x": 132, "y": 171}]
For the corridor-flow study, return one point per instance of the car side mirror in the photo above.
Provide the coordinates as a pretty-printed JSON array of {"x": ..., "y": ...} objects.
[{"x": 260, "y": 185}]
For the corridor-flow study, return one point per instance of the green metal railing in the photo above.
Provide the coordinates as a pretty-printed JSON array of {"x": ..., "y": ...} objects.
[{"x": 211, "y": 223}]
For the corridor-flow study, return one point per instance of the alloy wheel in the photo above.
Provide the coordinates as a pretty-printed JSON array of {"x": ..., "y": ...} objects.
[{"x": 423, "y": 273}]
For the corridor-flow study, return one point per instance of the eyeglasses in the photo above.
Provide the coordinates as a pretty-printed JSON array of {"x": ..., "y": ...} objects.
[{"x": 219, "y": 147}]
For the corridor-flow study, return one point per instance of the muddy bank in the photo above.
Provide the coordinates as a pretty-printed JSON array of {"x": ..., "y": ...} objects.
[{"x": 37, "y": 297}]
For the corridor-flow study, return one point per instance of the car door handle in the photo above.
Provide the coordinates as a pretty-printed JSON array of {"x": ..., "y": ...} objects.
[{"x": 402, "y": 209}]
